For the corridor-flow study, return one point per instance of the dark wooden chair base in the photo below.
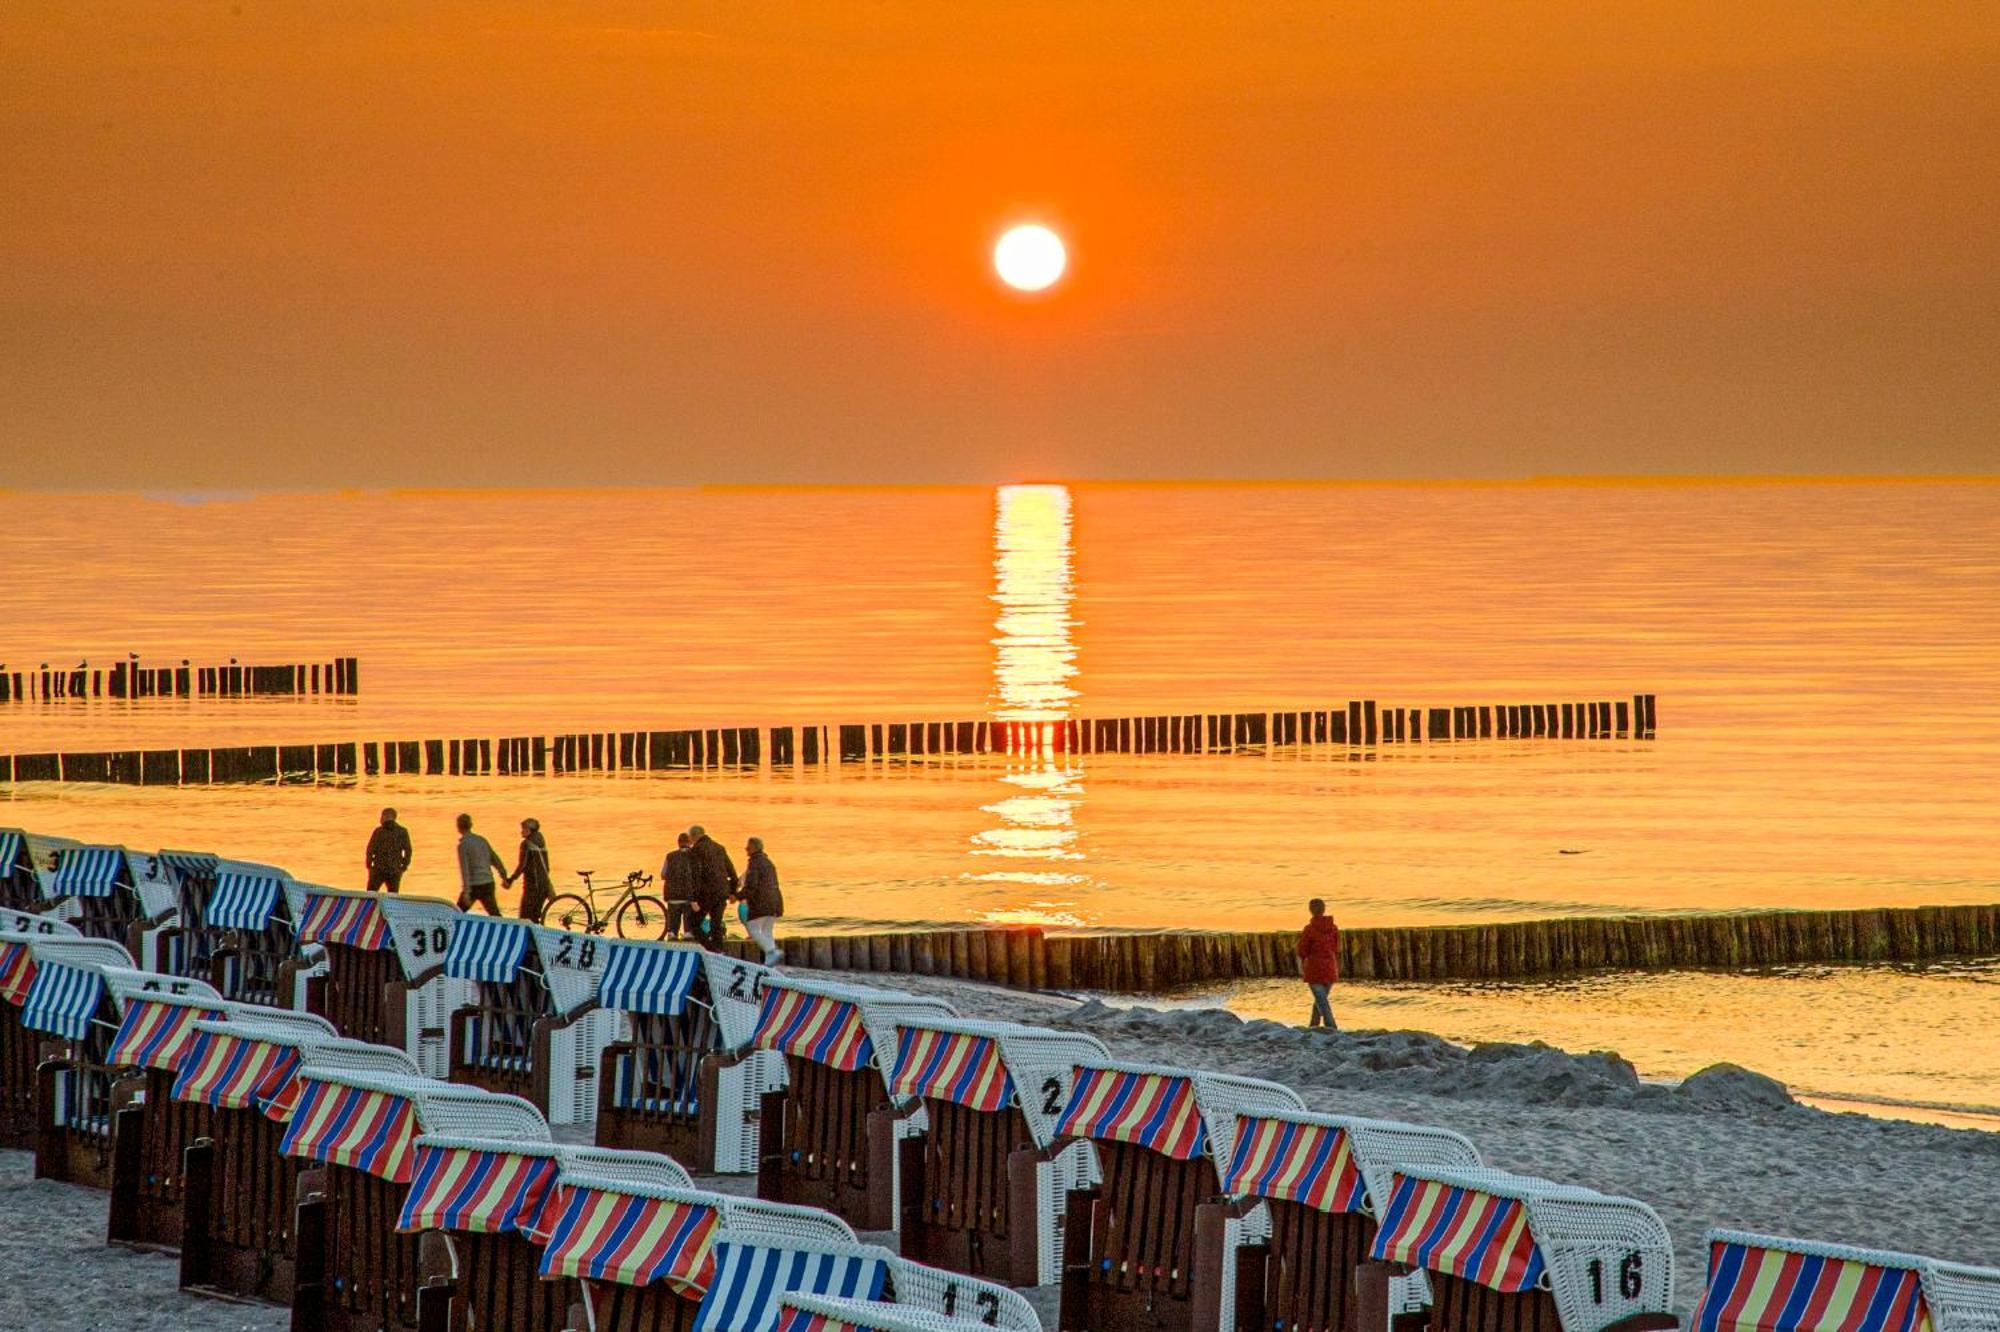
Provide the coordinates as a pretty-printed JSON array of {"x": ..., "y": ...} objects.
[
  {"x": 1303, "y": 1278},
  {"x": 20, "y": 1054},
  {"x": 73, "y": 1145},
  {"x": 355, "y": 1272},
  {"x": 238, "y": 1211},
  {"x": 499, "y": 1285},
  {"x": 829, "y": 1142},
  {"x": 642, "y": 1309},
  {"x": 970, "y": 1202},
  {"x": 1129, "y": 1249},
  {"x": 149, "y": 1145}
]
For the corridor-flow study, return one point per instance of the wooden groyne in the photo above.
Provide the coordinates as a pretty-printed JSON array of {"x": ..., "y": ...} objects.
[
  {"x": 1360, "y": 726},
  {"x": 1029, "y": 957},
  {"x": 132, "y": 679}
]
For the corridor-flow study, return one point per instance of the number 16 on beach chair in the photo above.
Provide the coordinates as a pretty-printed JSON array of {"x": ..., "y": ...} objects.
[
  {"x": 1307, "y": 1184},
  {"x": 373, "y": 965},
  {"x": 829, "y": 1136},
  {"x": 1162, "y": 1137},
  {"x": 1761, "y": 1283},
  {"x": 21, "y": 1045},
  {"x": 983, "y": 1188},
  {"x": 1510, "y": 1253}
]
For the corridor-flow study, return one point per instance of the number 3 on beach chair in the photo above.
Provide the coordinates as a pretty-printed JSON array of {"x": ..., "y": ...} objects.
[
  {"x": 1510, "y": 1253},
  {"x": 1760, "y": 1283}
]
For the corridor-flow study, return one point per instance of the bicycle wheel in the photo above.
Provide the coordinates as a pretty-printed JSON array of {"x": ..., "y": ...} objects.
[
  {"x": 642, "y": 918},
  {"x": 567, "y": 911}
]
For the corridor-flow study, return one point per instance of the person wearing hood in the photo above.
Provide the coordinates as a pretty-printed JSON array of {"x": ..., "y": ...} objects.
[
  {"x": 1319, "y": 961},
  {"x": 532, "y": 869}
]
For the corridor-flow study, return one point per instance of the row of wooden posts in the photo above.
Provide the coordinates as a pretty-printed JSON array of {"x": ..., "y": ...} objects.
[
  {"x": 1360, "y": 725},
  {"x": 1028, "y": 957},
  {"x": 130, "y": 679}
]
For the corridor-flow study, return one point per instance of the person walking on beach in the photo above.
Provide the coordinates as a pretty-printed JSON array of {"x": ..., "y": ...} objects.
[
  {"x": 677, "y": 884},
  {"x": 532, "y": 869},
  {"x": 476, "y": 862},
  {"x": 762, "y": 902},
  {"x": 714, "y": 884},
  {"x": 388, "y": 854},
  {"x": 1319, "y": 961}
]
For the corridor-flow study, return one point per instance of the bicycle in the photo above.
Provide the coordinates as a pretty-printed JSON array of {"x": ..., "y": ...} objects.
[{"x": 635, "y": 914}]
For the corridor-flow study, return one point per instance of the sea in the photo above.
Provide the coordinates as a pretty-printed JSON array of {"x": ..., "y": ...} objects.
[{"x": 1824, "y": 654}]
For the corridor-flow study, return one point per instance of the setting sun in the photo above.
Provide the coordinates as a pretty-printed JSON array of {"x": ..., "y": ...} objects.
[{"x": 1030, "y": 258}]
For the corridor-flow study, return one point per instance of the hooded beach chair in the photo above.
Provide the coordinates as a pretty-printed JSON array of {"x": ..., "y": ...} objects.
[
  {"x": 828, "y": 1136},
  {"x": 530, "y": 1026},
  {"x": 657, "y": 1089},
  {"x": 985, "y": 1184},
  {"x": 355, "y": 1135},
  {"x": 1510, "y": 1253},
  {"x": 176, "y": 946},
  {"x": 249, "y": 930},
  {"x": 1308, "y": 1189},
  {"x": 1762, "y": 1283},
  {"x": 108, "y": 892},
  {"x": 239, "y": 1203},
  {"x": 20, "y": 1045},
  {"x": 373, "y": 965},
  {"x": 20, "y": 885},
  {"x": 1163, "y": 1137}
]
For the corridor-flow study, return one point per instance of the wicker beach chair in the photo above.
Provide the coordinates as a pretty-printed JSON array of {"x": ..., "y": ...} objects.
[
  {"x": 530, "y": 1026},
  {"x": 250, "y": 930},
  {"x": 1162, "y": 1137},
  {"x": 1762, "y": 1283},
  {"x": 239, "y": 1199},
  {"x": 984, "y": 1187},
  {"x": 828, "y": 1135},
  {"x": 373, "y": 965},
  {"x": 1306, "y": 1188},
  {"x": 799, "y": 1312},
  {"x": 657, "y": 1089},
  {"x": 20, "y": 886},
  {"x": 21, "y": 1045},
  {"x": 177, "y": 945},
  {"x": 355, "y": 1135},
  {"x": 108, "y": 892},
  {"x": 1510, "y": 1253}
]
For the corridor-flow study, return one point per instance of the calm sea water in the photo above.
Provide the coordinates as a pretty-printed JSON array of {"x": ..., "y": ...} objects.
[{"x": 1824, "y": 657}]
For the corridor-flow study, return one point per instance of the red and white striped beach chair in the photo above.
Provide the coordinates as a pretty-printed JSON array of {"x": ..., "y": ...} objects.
[
  {"x": 1761, "y": 1283},
  {"x": 986, "y": 1184},
  {"x": 1510, "y": 1253},
  {"x": 1162, "y": 1137},
  {"x": 373, "y": 965}
]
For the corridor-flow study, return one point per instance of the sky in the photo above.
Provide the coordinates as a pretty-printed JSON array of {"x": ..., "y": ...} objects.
[{"x": 261, "y": 245}]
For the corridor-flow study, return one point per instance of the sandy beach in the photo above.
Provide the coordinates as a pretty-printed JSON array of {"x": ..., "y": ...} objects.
[{"x": 1728, "y": 1147}]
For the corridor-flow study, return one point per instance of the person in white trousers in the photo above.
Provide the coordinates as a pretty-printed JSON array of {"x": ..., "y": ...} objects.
[{"x": 762, "y": 902}]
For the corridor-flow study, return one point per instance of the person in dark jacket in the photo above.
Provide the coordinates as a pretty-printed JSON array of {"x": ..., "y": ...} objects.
[
  {"x": 714, "y": 884},
  {"x": 532, "y": 869},
  {"x": 762, "y": 902},
  {"x": 1319, "y": 961},
  {"x": 388, "y": 854},
  {"x": 677, "y": 879}
]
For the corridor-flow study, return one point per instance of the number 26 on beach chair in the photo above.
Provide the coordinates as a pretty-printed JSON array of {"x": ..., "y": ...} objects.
[
  {"x": 1162, "y": 1136},
  {"x": 1510, "y": 1253},
  {"x": 1761, "y": 1283},
  {"x": 829, "y": 1137},
  {"x": 984, "y": 1186},
  {"x": 373, "y": 965},
  {"x": 1306, "y": 1186},
  {"x": 20, "y": 1044}
]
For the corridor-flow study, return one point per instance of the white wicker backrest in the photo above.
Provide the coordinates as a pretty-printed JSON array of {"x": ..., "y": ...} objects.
[
  {"x": 955, "y": 1295},
  {"x": 735, "y": 993},
  {"x": 876, "y": 1314},
  {"x": 1041, "y": 1062},
  {"x": 779, "y": 1225},
  {"x": 20, "y": 926},
  {"x": 571, "y": 964},
  {"x": 311, "y": 1025},
  {"x": 95, "y": 954},
  {"x": 126, "y": 984},
  {"x": 320, "y": 1050},
  {"x": 1381, "y": 1146},
  {"x": 448, "y": 1108},
  {"x": 157, "y": 887},
  {"x": 1575, "y": 1228},
  {"x": 754, "y": 1216},
  {"x": 419, "y": 927},
  {"x": 1960, "y": 1298},
  {"x": 627, "y": 1168}
]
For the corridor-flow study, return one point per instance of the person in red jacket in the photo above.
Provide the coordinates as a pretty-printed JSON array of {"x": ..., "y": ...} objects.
[{"x": 1319, "y": 961}]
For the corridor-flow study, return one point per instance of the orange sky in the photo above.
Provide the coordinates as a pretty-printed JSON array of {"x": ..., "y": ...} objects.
[{"x": 273, "y": 244}]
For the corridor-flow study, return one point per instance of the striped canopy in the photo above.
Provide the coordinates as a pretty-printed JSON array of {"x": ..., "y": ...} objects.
[
  {"x": 743, "y": 1294},
  {"x": 89, "y": 871},
  {"x": 816, "y": 1027},
  {"x": 480, "y": 1190},
  {"x": 354, "y": 921},
  {"x": 155, "y": 1033},
  {"x": 1303, "y": 1163},
  {"x": 188, "y": 864},
  {"x": 1154, "y": 1110},
  {"x": 638, "y": 979},
  {"x": 634, "y": 1241},
  {"x": 353, "y": 1126},
  {"x": 1461, "y": 1232},
  {"x": 11, "y": 843},
  {"x": 486, "y": 948},
  {"x": 238, "y": 1072},
  {"x": 17, "y": 972},
  {"x": 243, "y": 900},
  {"x": 62, "y": 999},
  {"x": 1756, "y": 1289},
  {"x": 951, "y": 1066}
]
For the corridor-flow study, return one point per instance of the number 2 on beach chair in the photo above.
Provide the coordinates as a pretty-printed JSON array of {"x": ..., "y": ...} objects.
[{"x": 1761, "y": 1283}]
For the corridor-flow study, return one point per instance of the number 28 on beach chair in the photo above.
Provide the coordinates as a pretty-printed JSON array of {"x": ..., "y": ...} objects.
[
  {"x": 1306, "y": 1186},
  {"x": 984, "y": 1186},
  {"x": 1510, "y": 1253},
  {"x": 1161, "y": 1137},
  {"x": 355, "y": 1135},
  {"x": 1760, "y": 1283},
  {"x": 20, "y": 1044},
  {"x": 373, "y": 965},
  {"x": 239, "y": 1203},
  {"x": 657, "y": 1088},
  {"x": 531, "y": 1027},
  {"x": 829, "y": 1136}
]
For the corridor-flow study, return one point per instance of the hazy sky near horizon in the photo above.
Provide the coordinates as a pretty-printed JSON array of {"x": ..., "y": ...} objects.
[{"x": 261, "y": 244}]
